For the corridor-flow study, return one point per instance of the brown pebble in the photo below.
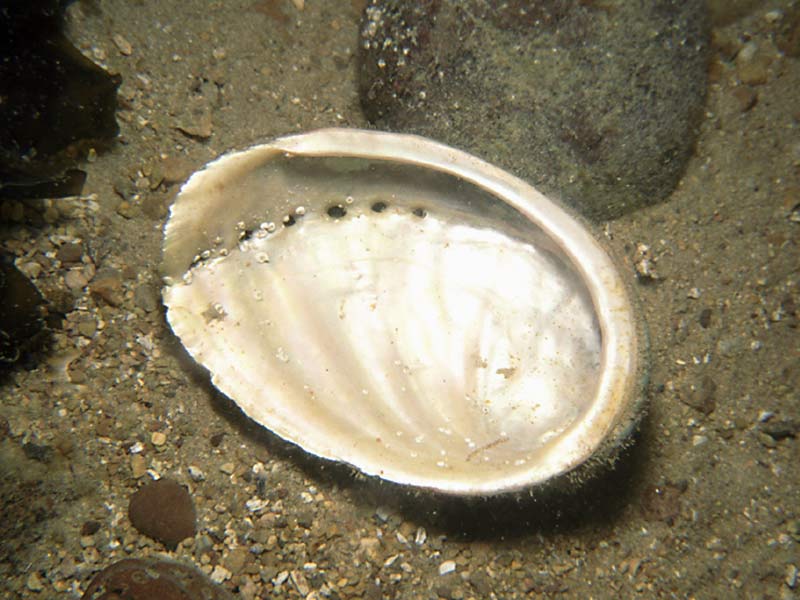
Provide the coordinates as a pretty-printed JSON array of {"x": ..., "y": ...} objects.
[
  {"x": 705, "y": 318},
  {"x": 236, "y": 560},
  {"x": 70, "y": 253},
  {"x": 87, "y": 328},
  {"x": 196, "y": 121},
  {"x": 90, "y": 528},
  {"x": 76, "y": 279},
  {"x": 107, "y": 285},
  {"x": 745, "y": 98},
  {"x": 150, "y": 579},
  {"x": 163, "y": 510},
  {"x": 124, "y": 46},
  {"x": 76, "y": 374},
  {"x": 104, "y": 426}
]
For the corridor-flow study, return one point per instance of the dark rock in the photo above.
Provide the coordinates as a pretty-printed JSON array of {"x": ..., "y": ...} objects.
[
  {"x": 21, "y": 313},
  {"x": 53, "y": 96},
  {"x": 595, "y": 102},
  {"x": 151, "y": 579},
  {"x": 60, "y": 301},
  {"x": 780, "y": 429},
  {"x": 18, "y": 185},
  {"x": 163, "y": 510},
  {"x": 70, "y": 253},
  {"x": 90, "y": 528},
  {"x": 39, "y": 452},
  {"x": 146, "y": 297}
]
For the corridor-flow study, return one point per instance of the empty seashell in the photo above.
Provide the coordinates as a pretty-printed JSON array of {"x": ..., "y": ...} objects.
[{"x": 416, "y": 313}]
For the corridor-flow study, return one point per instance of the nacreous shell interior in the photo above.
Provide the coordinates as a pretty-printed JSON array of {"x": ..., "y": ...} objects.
[{"x": 413, "y": 318}]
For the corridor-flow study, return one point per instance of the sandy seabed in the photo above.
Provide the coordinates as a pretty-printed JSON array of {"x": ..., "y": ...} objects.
[{"x": 704, "y": 505}]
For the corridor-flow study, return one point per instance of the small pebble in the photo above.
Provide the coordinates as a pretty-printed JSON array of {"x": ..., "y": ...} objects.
[
  {"x": 138, "y": 466},
  {"x": 701, "y": 395},
  {"x": 446, "y": 567},
  {"x": 256, "y": 504},
  {"x": 90, "y": 528},
  {"x": 146, "y": 297},
  {"x": 766, "y": 440},
  {"x": 196, "y": 121},
  {"x": 744, "y": 97},
  {"x": 127, "y": 210},
  {"x": 87, "y": 328},
  {"x": 70, "y": 253},
  {"x": 31, "y": 269},
  {"x": 124, "y": 46},
  {"x": 754, "y": 71},
  {"x": 220, "y": 574},
  {"x": 300, "y": 582},
  {"x": 235, "y": 561},
  {"x": 158, "y": 438},
  {"x": 780, "y": 429},
  {"x": 75, "y": 279},
  {"x": 196, "y": 473},
  {"x": 420, "y": 536},
  {"x": 33, "y": 583},
  {"x": 791, "y": 576},
  {"x": 40, "y": 452},
  {"x": 107, "y": 285}
]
